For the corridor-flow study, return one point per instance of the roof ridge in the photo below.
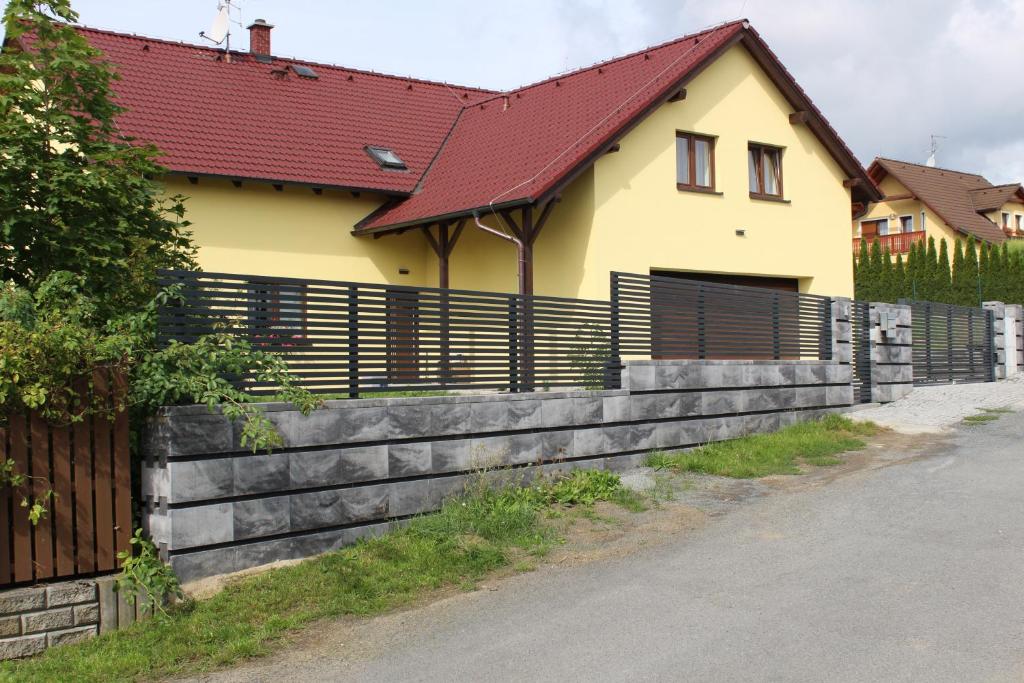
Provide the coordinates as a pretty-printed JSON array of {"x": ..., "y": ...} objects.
[
  {"x": 299, "y": 60},
  {"x": 628, "y": 55},
  {"x": 934, "y": 168}
]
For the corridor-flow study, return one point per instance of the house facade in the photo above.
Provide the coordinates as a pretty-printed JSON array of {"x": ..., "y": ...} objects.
[
  {"x": 924, "y": 201},
  {"x": 700, "y": 158}
]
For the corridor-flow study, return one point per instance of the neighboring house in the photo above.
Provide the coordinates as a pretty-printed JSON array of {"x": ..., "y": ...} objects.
[
  {"x": 924, "y": 201},
  {"x": 699, "y": 157}
]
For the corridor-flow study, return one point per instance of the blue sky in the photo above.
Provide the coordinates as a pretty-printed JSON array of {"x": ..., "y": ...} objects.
[{"x": 887, "y": 74}]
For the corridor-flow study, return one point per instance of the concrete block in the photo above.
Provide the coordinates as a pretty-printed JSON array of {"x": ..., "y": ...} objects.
[
  {"x": 10, "y": 626},
  {"x": 669, "y": 376},
  {"x": 412, "y": 420},
  {"x": 808, "y": 397},
  {"x": 204, "y": 563},
  {"x": 842, "y": 331},
  {"x": 721, "y": 402},
  {"x": 408, "y": 459},
  {"x": 496, "y": 416},
  {"x": 365, "y": 503},
  {"x": 643, "y": 436},
  {"x": 310, "y": 545},
  {"x": 638, "y": 376},
  {"x": 261, "y": 473},
  {"x": 314, "y": 468},
  {"x": 524, "y": 448},
  {"x": 264, "y": 552},
  {"x": 452, "y": 455},
  {"x": 108, "y": 603},
  {"x": 451, "y": 418},
  {"x": 444, "y": 488},
  {"x": 315, "y": 510},
  {"x": 589, "y": 441},
  {"x": 767, "y": 399},
  {"x": 810, "y": 374},
  {"x": 202, "y": 525},
  {"x": 366, "y": 463},
  {"x": 70, "y": 593},
  {"x": 557, "y": 445},
  {"x": 842, "y": 353},
  {"x": 695, "y": 432},
  {"x": 558, "y": 412},
  {"x": 48, "y": 620},
  {"x": 22, "y": 600},
  {"x": 842, "y": 308},
  {"x": 410, "y": 497},
  {"x": 615, "y": 408},
  {"x": 587, "y": 410},
  {"x": 261, "y": 517},
  {"x": 202, "y": 433},
  {"x": 201, "y": 480},
  {"x": 836, "y": 373},
  {"x": 86, "y": 614},
  {"x": 624, "y": 463},
  {"x": 731, "y": 374},
  {"x": 839, "y": 395},
  {"x": 23, "y": 646},
  {"x": 71, "y": 635},
  {"x": 618, "y": 438}
]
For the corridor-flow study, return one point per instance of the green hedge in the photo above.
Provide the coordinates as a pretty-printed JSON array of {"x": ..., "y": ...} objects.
[{"x": 988, "y": 273}]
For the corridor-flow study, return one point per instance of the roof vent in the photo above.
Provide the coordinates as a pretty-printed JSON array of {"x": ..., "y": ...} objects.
[
  {"x": 386, "y": 158},
  {"x": 259, "y": 39}
]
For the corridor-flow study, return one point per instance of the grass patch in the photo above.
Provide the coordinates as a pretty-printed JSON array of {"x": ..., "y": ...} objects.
[
  {"x": 486, "y": 529},
  {"x": 781, "y": 452},
  {"x": 996, "y": 411},
  {"x": 982, "y": 418}
]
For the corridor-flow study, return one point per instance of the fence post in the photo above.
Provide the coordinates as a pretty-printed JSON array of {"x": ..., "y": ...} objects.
[
  {"x": 949, "y": 344},
  {"x": 997, "y": 309},
  {"x": 613, "y": 366},
  {"x": 776, "y": 334},
  {"x": 353, "y": 342},
  {"x": 701, "y": 338},
  {"x": 990, "y": 317},
  {"x": 825, "y": 352},
  {"x": 513, "y": 345}
]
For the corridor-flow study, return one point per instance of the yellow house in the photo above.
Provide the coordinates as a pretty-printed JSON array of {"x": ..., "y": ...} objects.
[
  {"x": 700, "y": 158},
  {"x": 923, "y": 201}
]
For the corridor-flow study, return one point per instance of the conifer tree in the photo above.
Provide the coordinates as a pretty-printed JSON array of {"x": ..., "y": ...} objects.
[
  {"x": 1015, "y": 277},
  {"x": 886, "y": 278},
  {"x": 972, "y": 286},
  {"x": 929, "y": 275},
  {"x": 914, "y": 263},
  {"x": 900, "y": 279},
  {"x": 944, "y": 285},
  {"x": 984, "y": 272},
  {"x": 860, "y": 272},
  {"x": 875, "y": 270},
  {"x": 958, "y": 293}
]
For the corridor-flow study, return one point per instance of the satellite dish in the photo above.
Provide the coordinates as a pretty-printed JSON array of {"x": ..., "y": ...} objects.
[{"x": 219, "y": 30}]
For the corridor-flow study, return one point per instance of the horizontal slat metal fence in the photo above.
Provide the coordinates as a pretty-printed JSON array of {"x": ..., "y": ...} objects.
[
  {"x": 860, "y": 337},
  {"x": 669, "y": 318},
  {"x": 358, "y": 338},
  {"x": 952, "y": 343}
]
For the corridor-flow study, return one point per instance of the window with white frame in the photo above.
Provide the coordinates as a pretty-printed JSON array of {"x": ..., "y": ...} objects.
[
  {"x": 1006, "y": 219},
  {"x": 924, "y": 224},
  {"x": 906, "y": 224}
]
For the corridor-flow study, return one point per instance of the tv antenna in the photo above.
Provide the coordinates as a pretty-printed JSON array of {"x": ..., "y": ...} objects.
[
  {"x": 933, "y": 149},
  {"x": 220, "y": 31}
]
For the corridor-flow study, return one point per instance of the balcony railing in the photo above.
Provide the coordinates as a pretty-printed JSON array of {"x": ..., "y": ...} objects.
[{"x": 898, "y": 243}]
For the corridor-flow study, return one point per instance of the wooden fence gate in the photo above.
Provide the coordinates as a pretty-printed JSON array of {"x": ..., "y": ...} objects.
[{"x": 88, "y": 468}]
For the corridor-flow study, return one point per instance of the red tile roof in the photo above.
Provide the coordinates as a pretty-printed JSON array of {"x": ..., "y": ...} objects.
[
  {"x": 992, "y": 198},
  {"x": 466, "y": 148},
  {"x": 246, "y": 119},
  {"x": 946, "y": 192}
]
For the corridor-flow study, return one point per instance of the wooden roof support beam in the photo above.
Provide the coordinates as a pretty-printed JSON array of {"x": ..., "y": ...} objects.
[
  {"x": 543, "y": 218},
  {"x": 799, "y": 117},
  {"x": 614, "y": 148},
  {"x": 851, "y": 182},
  {"x": 678, "y": 96}
]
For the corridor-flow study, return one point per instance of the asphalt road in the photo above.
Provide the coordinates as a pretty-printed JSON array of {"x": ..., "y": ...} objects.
[{"x": 912, "y": 572}]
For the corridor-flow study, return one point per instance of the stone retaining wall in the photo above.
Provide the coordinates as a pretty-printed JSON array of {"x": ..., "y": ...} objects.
[{"x": 350, "y": 468}]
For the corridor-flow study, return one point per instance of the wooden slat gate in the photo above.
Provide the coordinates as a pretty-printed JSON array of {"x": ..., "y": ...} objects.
[
  {"x": 87, "y": 466},
  {"x": 952, "y": 344}
]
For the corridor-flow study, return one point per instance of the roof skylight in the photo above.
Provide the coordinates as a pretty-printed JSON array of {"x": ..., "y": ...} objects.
[
  {"x": 304, "y": 71},
  {"x": 386, "y": 158}
]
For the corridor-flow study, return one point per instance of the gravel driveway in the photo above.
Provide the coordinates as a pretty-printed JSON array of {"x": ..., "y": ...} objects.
[{"x": 938, "y": 408}]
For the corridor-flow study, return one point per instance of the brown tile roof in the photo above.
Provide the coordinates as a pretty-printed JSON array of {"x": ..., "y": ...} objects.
[
  {"x": 992, "y": 198},
  {"x": 946, "y": 192}
]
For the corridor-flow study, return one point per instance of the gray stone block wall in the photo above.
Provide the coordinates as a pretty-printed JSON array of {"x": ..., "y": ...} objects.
[
  {"x": 351, "y": 469},
  {"x": 998, "y": 309},
  {"x": 842, "y": 330},
  {"x": 1017, "y": 311},
  {"x": 892, "y": 353}
]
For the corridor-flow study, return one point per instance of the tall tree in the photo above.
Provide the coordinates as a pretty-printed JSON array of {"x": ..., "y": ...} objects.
[
  {"x": 862, "y": 269},
  {"x": 943, "y": 280},
  {"x": 75, "y": 195},
  {"x": 875, "y": 271},
  {"x": 958, "y": 294},
  {"x": 984, "y": 271},
  {"x": 930, "y": 275},
  {"x": 971, "y": 274},
  {"x": 900, "y": 290},
  {"x": 887, "y": 277}
]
